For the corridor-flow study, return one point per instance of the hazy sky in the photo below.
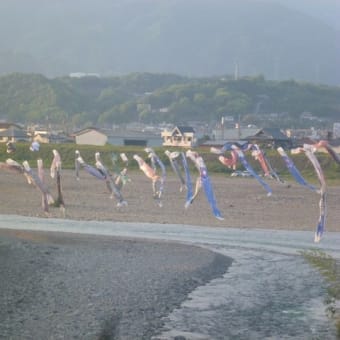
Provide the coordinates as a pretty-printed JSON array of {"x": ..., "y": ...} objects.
[
  {"x": 203, "y": 37},
  {"x": 326, "y": 10}
]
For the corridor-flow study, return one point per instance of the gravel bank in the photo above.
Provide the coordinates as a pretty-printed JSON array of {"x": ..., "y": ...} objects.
[{"x": 61, "y": 286}]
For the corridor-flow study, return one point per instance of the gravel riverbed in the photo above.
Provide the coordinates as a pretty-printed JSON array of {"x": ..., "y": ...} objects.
[{"x": 61, "y": 286}]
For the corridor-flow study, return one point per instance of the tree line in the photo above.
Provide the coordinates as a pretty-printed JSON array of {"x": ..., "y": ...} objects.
[{"x": 156, "y": 98}]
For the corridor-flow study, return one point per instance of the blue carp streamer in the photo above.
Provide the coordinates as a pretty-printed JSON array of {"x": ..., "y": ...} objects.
[
  {"x": 203, "y": 180},
  {"x": 188, "y": 181},
  {"x": 176, "y": 167},
  {"x": 249, "y": 168},
  {"x": 207, "y": 186},
  {"x": 88, "y": 168},
  {"x": 294, "y": 171}
]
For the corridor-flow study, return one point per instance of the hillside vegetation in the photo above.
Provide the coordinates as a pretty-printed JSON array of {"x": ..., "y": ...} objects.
[{"x": 155, "y": 98}]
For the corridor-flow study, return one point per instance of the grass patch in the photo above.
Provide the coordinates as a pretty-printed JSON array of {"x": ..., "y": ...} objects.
[{"x": 329, "y": 268}]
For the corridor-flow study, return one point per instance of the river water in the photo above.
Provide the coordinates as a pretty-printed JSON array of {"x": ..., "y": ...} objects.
[
  {"x": 269, "y": 292},
  {"x": 264, "y": 295}
]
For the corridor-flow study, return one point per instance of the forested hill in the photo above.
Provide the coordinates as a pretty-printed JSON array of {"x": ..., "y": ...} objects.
[
  {"x": 146, "y": 97},
  {"x": 276, "y": 38}
]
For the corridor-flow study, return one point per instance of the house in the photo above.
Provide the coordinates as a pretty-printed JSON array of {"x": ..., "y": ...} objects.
[
  {"x": 271, "y": 137},
  {"x": 10, "y": 132},
  {"x": 90, "y": 136},
  {"x": 183, "y": 136},
  {"x": 40, "y": 136},
  {"x": 47, "y": 135},
  {"x": 268, "y": 137}
]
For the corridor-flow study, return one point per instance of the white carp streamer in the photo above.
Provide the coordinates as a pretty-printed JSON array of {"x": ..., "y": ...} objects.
[
  {"x": 55, "y": 172},
  {"x": 309, "y": 151},
  {"x": 38, "y": 181},
  {"x": 151, "y": 172}
]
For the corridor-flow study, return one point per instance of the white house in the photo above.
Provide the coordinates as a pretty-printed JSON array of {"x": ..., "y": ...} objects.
[
  {"x": 90, "y": 136},
  {"x": 183, "y": 136}
]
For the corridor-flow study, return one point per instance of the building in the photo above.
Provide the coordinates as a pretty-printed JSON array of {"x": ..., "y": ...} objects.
[
  {"x": 83, "y": 74},
  {"x": 41, "y": 136},
  {"x": 336, "y": 130},
  {"x": 123, "y": 137},
  {"x": 233, "y": 134},
  {"x": 10, "y": 132},
  {"x": 90, "y": 136},
  {"x": 267, "y": 137},
  {"x": 271, "y": 137},
  {"x": 183, "y": 136}
]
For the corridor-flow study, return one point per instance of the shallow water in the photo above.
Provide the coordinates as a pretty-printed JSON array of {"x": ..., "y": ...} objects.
[
  {"x": 269, "y": 292},
  {"x": 264, "y": 295}
]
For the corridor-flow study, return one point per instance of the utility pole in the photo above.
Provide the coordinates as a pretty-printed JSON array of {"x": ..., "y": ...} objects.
[
  {"x": 239, "y": 127},
  {"x": 236, "y": 71}
]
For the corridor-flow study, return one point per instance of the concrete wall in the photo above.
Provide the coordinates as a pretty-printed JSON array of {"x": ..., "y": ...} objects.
[{"x": 91, "y": 137}]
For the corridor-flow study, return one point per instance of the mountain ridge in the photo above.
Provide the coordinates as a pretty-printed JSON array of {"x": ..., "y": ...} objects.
[{"x": 189, "y": 38}]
